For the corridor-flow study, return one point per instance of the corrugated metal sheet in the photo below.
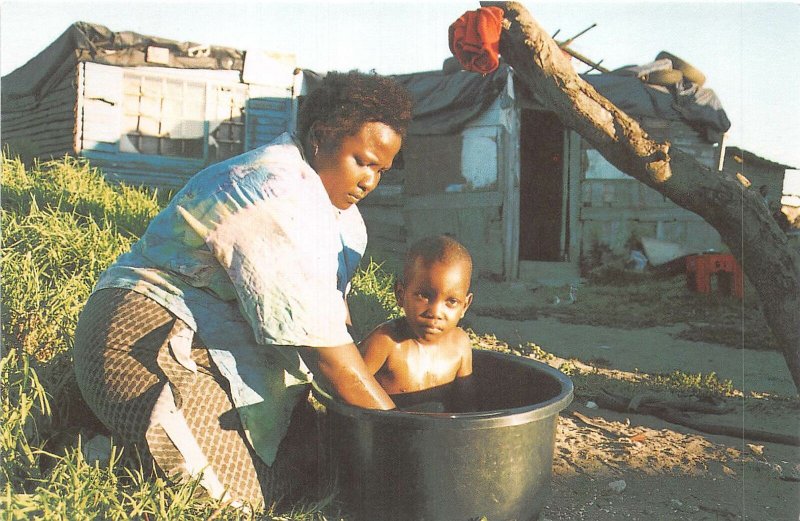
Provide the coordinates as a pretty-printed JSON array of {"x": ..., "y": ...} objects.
[
  {"x": 41, "y": 127},
  {"x": 265, "y": 119}
]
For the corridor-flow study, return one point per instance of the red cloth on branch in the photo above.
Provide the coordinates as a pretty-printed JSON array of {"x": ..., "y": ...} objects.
[{"x": 475, "y": 39}]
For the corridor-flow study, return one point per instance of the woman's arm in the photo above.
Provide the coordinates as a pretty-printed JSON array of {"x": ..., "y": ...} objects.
[{"x": 343, "y": 368}]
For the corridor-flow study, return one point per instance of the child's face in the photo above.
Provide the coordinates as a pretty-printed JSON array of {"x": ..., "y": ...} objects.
[{"x": 434, "y": 297}]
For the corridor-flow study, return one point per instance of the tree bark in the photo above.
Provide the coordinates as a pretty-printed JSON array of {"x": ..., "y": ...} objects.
[{"x": 738, "y": 214}]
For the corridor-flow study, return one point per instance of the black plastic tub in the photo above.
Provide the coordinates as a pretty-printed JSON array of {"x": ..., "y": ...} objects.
[{"x": 496, "y": 462}]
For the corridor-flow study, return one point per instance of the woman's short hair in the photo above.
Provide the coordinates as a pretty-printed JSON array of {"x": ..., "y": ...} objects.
[{"x": 345, "y": 101}]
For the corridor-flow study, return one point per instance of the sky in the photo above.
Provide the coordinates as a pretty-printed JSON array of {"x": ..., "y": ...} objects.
[{"x": 749, "y": 51}]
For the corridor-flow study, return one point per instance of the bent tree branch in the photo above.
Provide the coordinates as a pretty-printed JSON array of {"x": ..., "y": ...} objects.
[{"x": 742, "y": 221}]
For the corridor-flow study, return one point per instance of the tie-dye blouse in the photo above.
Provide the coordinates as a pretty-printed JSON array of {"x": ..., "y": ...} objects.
[{"x": 255, "y": 259}]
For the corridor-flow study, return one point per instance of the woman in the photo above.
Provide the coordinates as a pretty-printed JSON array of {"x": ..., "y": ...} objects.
[{"x": 198, "y": 344}]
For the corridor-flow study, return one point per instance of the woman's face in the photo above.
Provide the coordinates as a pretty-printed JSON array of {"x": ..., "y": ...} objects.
[{"x": 353, "y": 169}]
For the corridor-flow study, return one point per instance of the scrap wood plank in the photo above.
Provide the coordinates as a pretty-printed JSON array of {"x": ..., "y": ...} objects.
[
  {"x": 620, "y": 403},
  {"x": 590, "y": 422}
]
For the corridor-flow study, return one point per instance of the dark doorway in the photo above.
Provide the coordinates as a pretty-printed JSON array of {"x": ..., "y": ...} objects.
[{"x": 541, "y": 198}]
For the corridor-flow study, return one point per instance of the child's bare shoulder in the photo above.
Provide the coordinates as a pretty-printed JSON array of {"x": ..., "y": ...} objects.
[
  {"x": 463, "y": 341},
  {"x": 377, "y": 347}
]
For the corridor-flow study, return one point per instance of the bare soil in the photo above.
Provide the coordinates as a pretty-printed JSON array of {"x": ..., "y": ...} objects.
[{"x": 610, "y": 465}]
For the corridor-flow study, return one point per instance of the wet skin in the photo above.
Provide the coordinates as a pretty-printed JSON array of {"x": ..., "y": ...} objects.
[
  {"x": 426, "y": 348},
  {"x": 353, "y": 169}
]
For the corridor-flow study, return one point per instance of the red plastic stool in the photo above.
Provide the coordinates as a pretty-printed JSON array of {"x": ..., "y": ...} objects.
[{"x": 700, "y": 268}]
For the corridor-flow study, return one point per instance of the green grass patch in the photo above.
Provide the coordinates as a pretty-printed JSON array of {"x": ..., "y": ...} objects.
[
  {"x": 371, "y": 298},
  {"x": 72, "y": 186},
  {"x": 62, "y": 226}
]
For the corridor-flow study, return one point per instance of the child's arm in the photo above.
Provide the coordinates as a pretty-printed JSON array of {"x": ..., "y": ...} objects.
[
  {"x": 466, "y": 396},
  {"x": 465, "y": 369},
  {"x": 375, "y": 348}
]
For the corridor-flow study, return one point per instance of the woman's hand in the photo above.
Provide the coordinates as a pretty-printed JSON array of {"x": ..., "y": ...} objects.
[{"x": 343, "y": 368}]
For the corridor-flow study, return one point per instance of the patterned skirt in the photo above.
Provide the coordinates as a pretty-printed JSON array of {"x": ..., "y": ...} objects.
[{"x": 125, "y": 370}]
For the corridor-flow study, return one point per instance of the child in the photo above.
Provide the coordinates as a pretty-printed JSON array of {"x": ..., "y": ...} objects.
[{"x": 413, "y": 356}]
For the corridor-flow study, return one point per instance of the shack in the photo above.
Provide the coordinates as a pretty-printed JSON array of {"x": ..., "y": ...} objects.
[
  {"x": 146, "y": 110},
  {"x": 761, "y": 173},
  {"x": 486, "y": 162}
]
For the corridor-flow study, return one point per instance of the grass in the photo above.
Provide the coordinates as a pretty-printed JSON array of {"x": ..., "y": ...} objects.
[
  {"x": 62, "y": 226},
  {"x": 371, "y": 298},
  {"x": 71, "y": 186}
]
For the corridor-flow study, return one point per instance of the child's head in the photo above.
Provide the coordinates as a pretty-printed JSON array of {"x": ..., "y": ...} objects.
[{"x": 434, "y": 290}]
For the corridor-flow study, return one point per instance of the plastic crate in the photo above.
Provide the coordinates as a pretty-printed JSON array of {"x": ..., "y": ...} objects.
[{"x": 700, "y": 269}]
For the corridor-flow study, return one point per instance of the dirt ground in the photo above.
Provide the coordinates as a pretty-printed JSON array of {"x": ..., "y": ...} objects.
[{"x": 610, "y": 465}]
